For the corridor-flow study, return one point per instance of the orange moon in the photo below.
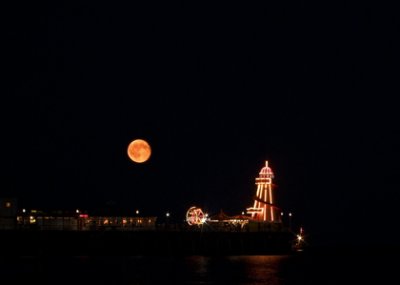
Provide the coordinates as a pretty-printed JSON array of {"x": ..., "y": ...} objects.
[{"x": 139, "y": 151}]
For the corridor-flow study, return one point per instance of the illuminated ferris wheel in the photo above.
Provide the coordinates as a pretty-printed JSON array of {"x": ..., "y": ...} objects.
[{"x": 195, "y": 216}]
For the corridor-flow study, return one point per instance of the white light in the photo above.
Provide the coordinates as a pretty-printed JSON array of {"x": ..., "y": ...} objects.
[
  {"x": 167, "y": 214},
  {"x": 77, "y": 211},
  {"x": 23, "y": 210},
  {"x": 137, "y": 212}
]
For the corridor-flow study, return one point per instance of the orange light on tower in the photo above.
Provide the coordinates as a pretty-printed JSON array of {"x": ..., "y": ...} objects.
[{"x": 264, "y": 208}]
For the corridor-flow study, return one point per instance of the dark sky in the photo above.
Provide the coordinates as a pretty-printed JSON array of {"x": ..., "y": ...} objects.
[{"x": 216, "y": 89}]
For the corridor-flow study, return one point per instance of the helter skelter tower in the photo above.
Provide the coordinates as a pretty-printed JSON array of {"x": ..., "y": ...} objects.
[{"x": 264, "y": 209}]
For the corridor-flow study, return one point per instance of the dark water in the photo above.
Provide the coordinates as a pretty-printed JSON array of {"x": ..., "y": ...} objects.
[{"x": 302, "y": 268}]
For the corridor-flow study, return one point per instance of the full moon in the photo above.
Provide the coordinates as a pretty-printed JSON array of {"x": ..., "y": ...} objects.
[{"x": 139, "y": 151}]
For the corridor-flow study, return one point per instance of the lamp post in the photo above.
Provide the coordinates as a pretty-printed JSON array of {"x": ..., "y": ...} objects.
[
  {"x": 290, "y": 221},
  {"x": 167, "y": 219}
]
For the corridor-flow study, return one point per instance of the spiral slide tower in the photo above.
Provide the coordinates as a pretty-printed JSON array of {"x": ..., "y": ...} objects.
[{"x": 264, "y": 209}]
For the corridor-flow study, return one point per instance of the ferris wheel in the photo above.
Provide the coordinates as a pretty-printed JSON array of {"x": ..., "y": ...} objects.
[{"x": 195, "y": 216}]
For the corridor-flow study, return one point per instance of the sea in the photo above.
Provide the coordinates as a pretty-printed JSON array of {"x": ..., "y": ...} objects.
[{"x": 307, "y": 267}]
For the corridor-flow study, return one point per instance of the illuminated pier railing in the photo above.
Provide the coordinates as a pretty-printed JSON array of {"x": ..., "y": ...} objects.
[{"x": 82, "y": 222}]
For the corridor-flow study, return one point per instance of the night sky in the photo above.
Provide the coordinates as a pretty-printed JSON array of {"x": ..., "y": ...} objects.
[{"x": 216, "y": 89}]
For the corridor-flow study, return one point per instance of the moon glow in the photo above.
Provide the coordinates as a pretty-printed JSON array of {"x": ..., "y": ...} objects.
[{"x": 139, "y": 151}]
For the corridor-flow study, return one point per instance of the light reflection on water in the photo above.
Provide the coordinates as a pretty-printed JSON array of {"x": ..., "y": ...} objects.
[
  {"x": 242, "y": 270},
  {"x": 142, "y": 270},
  {"x": 235, "y": 269},
  {"x": 264, "y": 269}
]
